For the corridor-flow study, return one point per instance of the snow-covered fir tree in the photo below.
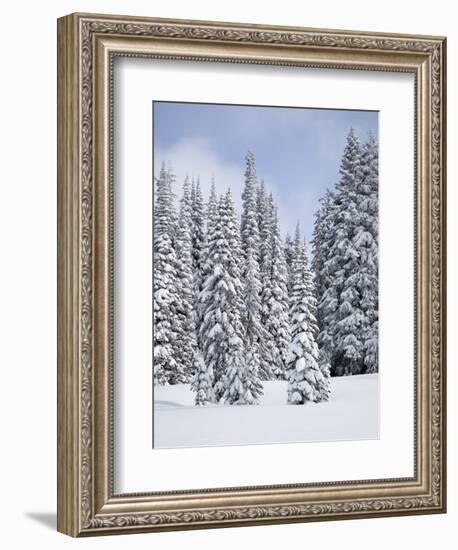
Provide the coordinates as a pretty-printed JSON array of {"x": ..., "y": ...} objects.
[
  {"x": 221, "y": 330},
  {"x": 165, "y": 215},
  {"x": 198, "y": 232},
  {"x": 324, "y": 383},
  {"x": 288, "y": 248},
  {"x": 262, "y": 213},
  {"x": 276, "y": 321},
  {"x": 184, "y": 314},
  {"x": 167, "y": 368},
  {"x": 306, "y": 381},
  {"x": 254, "y": 387},
  {"x": 366, "y": 242},
  {"x": 345, "y": 263},
  {"x": 235, "y": 259},
  {"x": 243, "y": 385},
  {"x": 210, "y": 215},
  {"x": 265, "y": 213},
  {"x": 255, "y": 336},
  {"x": 213, "y": 300},
  {"x": 296, "y": 250},
  {"x": 349, "y": 340},
  {"x": 202, "y": 382},
  {"x": 371, "y": 349},
  {"x": 323, "y": 239},
  {"x": 335, "y": 254},
  {"x": 324, "y": 267},
  {"x": 212, "y": 207},
  {"x": 252, "y": 384},
  {"x": 235, "y": 388},
  {"x": 199, "y": 243}
]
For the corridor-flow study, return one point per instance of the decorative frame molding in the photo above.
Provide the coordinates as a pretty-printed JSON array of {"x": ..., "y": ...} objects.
[{"x": 87, "y": 45}]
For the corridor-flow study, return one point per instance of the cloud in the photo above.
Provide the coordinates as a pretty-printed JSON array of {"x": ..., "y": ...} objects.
[{"x": 194, "y": 157}]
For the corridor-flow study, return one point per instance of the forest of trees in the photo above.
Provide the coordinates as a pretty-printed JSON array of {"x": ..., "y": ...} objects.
[{"x": 235, "y": 304}]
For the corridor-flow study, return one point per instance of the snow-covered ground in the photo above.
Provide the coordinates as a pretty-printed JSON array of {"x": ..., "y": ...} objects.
[{"x": 351, "y": 413}]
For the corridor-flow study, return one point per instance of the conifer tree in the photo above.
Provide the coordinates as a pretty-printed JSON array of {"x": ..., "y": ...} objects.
[
  {"x": 348, "y": 332},
  {"x": 184, "y": 313},
  {"x": 199, "y": 242},
  {"x": 255, "y": 336},
  {"x": 265, "y": 213},
  {"x": 235, "y": 261},
  {"x": 324, "y": 383},
  {"x": 198, "y": 232},
  {"x": 345, "y": 263},
  {"x": 166, "y": 366},
  {"x": 253, "y": 390},
  {"x": 288, "y": 249},
  {"x": 306, "y": 381},
  {"x": 277, "y": 324},
  {"x": 371, "y": 349},
  {"x": 322, "y": 242},
  {"x": 262, "y": 213},
  {"x": 221, "y": 331},
  {"x": 202, "y": 382},
  {"x": 164, "y": 200},
  {"x": 324, "y": 268},
  {"x": 235, "y": 388},
  {"x": 212, "y": 207},
  {"x": 211, "y": 211},
  {"x": 252, "y": 380},
  {"x": 193, "y": 191},
  {"x": 366, "y": 242},
  {"x": 171, "y": 183}
]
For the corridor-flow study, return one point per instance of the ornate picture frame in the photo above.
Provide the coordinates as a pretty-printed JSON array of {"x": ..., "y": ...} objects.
[{"x": 87, "y": 46}]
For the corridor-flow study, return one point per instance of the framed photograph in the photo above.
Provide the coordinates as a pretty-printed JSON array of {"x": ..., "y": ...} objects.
[{"x": 251, "y": 289}]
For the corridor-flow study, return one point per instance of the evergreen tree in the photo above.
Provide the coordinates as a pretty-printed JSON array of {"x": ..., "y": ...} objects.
[
  {"x": 184, "y": 313},
  {"x": 324, "y": 383},
  {"x": 235, "y": 258},
  {"x": 193, "y": 191},
  {"x": 277, "y": 323},
  {"x": 332, "y": 268},
  {"x": 371, "y": 349},
  {"x": 211, "y": 212},
  {"x": 202, "y": 382},
  {"x": 255, "y": 335},
  {"x": 366, "y": 242},
  {"x": 345, "y": 263},
  {"x": 235, "y": 386},
  {"x": 323, "y": 234},
  {"x": 306, "y": 381},
  {"x": 166, "y": 367},
  {"x": 296, "y": 251},
  {"x": 212, "y": 207},
  {"x": 324, "y": 266},
  {"x": 198, "y": 233},
  {"x": 164, "y": 200},
  {"x": 198, "y": 226},
  {"x": 350, "y": 317},
  {"x": 253, "y": 388},
  {"x": 263, "y": 218},
  {"x": 221, "y": 330},
  {"x": 265, "y": 213},
  {"x": 289, "y": 252},
  {"x": 171, "y": 182}
]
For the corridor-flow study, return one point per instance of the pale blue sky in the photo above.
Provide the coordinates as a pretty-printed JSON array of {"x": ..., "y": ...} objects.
[{"x": 297, "y": 150}]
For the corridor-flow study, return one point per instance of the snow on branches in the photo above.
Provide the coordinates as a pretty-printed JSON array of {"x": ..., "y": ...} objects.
[
  {"x": 345, "y": 262},
  {"x": 235, "y": 304},
  {"x": 306, "y": 381}
]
